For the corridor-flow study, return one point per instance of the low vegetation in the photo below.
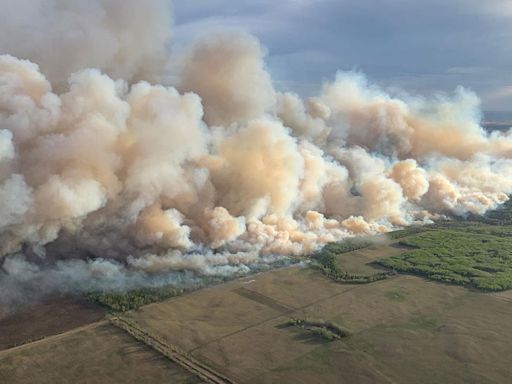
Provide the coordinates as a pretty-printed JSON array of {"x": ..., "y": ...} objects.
[
  {"x": 325, "y": 329},
  {"x": 186, "y": 361}
]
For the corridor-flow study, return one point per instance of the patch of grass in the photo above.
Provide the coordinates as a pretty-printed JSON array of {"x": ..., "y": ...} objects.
[
  {"x": 456, "y": 256},
  {"x": 318, "y": 362},
  {"x": 424, "y": 322},
  {"x": 323, "y": 357},
  {"x": 395, "y": 295}
]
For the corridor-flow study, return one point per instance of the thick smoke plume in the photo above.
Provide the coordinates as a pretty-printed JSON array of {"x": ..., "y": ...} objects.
[{"x": 107, "y": 180}]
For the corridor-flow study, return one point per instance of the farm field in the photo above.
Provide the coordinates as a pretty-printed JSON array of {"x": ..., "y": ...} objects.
[
  {"x": 96, "y": 353},
  {"x": 403, "y": 329},
  {"x": 255, "y": 192},
  {"x": 47, "y": 318}
]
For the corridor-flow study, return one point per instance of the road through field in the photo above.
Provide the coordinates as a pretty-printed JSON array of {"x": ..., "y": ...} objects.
[{"x": 187, "y": 362}]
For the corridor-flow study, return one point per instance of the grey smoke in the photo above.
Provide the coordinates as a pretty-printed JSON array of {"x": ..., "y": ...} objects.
[{"x": 111, "y": 180}]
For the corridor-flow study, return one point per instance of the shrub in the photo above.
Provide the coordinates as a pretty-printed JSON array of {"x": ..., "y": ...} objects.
[{"x": 327, "y": 330}]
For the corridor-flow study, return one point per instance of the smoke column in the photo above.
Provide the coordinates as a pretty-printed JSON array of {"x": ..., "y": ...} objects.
[{"x": 109, "y": 179}]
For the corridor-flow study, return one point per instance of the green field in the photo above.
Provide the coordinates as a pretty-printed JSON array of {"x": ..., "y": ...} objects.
[
  {"x": 462, "y": 257},
  {"x": 475, "y": 252}
]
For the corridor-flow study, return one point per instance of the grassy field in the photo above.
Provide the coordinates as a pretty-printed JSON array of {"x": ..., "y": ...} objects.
[
  {"x": 98, "y": 353},
  {"x": 400, "y": 330},
  {"x": 403, "y": 329},
  {"x": 266, "y": 328},
  {"x": 50, "y": 317}
]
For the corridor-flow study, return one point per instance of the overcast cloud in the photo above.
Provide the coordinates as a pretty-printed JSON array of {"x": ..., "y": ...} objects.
[{"x": 421, "y": 46}]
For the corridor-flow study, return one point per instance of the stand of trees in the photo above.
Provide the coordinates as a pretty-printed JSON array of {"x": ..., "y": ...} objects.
[
  {"x": 325, "y": 329},
  {"x": 465, "y": 255},
  {"x": 122, "y": 301},
  {"x": 326, "y": 262}
]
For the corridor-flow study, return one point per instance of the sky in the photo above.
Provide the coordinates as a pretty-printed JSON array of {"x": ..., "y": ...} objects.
[{"x": 419, "y": 46}]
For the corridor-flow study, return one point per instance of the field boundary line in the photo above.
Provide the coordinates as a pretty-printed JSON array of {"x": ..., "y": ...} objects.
[
  {"x": 355, "y": 286},
  {"x": 204, "y": 372},
  {"x": 262, "y": 299},
  {"x": 50, "y": 338}
]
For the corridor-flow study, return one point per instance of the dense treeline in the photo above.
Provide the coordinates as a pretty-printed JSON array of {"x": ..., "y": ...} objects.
[
  {"x": 326, "y": 262},
  {"x": 460, "y": 255},
  {"x": 329, "y": 267},
  {"x": 500, "y": 216},
  {"x": 121, "y": 301},
  {"x": 401, "y": 233},
  {"x": 126, "y": 300},
  {"x": 345, "y": 246}
]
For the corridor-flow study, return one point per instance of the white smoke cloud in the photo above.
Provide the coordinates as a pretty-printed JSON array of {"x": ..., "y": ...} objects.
[
  {"x": 228, "y": 72},
  {"x": 106, "y": 181},
  {"x": 126, "y": 39}
]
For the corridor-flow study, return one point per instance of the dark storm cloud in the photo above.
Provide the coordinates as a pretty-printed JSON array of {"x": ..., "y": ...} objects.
[{"x": 422, "y": 46}]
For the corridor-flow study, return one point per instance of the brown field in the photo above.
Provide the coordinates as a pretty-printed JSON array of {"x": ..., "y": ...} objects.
[
  {"x": 403, "y": 330},
  {"x": 51, "y": 317},
  {"x": 505, "y": 295},
  {"x": 97, "y": 353}
]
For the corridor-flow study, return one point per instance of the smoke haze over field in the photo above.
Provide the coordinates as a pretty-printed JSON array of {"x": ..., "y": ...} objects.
[{"x": 107, "y": 179}]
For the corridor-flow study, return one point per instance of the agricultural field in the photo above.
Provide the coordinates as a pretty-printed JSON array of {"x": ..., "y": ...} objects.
[
  {"x": 344, "y": 316},
  {"x": 50, "y": 317},
  {"x": 402, "y": 329},
  {"x": 97, "y": 353}
]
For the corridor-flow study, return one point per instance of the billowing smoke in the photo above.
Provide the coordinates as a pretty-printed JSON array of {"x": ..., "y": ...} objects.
[
  {"x": 108, "y": 179},
  {"x": 127, "y": 39}
]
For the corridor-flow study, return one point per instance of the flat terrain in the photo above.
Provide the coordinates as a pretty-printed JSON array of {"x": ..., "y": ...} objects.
[
  {"x": 97, "y": 353},
  {"x": 474, "y": 255},
  {"x": 51, "y": 317},
  {"x": 403, "y": 329}
]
